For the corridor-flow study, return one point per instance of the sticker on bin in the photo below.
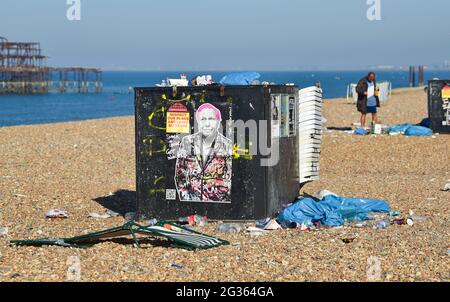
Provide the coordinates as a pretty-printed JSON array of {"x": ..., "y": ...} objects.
[
  {"x": 178, "y": 119},
  {"x": 446, "y": 92},
  {"x": 171, "y": 194}
]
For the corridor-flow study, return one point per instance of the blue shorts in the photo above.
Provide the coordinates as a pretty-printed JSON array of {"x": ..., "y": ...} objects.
[{"x": 371, "y": 109}]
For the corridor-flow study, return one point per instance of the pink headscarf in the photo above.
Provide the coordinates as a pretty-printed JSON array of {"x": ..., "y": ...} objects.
[{"x": 208, "y": 106}]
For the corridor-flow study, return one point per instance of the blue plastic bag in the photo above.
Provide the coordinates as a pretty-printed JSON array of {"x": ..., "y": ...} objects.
[
  {"x": 418, "y": 131},
  {"x": 331, "y": 210},
  {"x": 360, "y": 131},
  {"x": 426, "y": 122},
  {"x": 240, "y": 78},
  {"x": 399, "y": 128}
]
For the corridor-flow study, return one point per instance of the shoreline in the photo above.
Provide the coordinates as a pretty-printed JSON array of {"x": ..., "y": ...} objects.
[{"x": 395, "y": 91}]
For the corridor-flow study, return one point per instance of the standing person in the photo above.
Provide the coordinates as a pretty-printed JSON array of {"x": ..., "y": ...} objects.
[{"x": 368, "y": 100}]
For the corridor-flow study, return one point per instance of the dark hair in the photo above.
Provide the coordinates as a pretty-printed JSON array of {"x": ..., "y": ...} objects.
[{"x": 370, "y": 73}]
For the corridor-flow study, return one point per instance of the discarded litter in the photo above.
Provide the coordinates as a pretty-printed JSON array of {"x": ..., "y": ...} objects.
[
  {"x": 4, "y": 231},
  {"x": 322, "y": 193},
  {"x": 415, "y": 217},
  {"x": 394, "y": 213},
  {"x": 56, "y": 213},
  {"x": 360, "y": 225},
  {"x": 399, "y": 129},
  {"x": 446, "y": 188},
  {"x": 381, "y": 225},
  {"x": 202, "y": 80},
  {"x": 230, "y": 227},
  {"x": 240, "y": 78},
  {"x": 418, "y": 131},
  {"x": 361, "y": 131},
  {"x": 180, "y": 236},
  {"x": 268, "y": 224},
  {"x": 330, "y": 211},
  {"x": 177, "y": 266},
  {"x": 399, "y": 221},
  {"x": 410, "y": 130},
  {"x": 151, "y": 222},
  {"x": 348, "y": 240},
  {"x": 102, "y": 216},
  {"x": 426, "y": 122},
  {"x": 130, "y": 216},
  {"x": 193, "y": 220},
  {"x": 255, "y": 231}
]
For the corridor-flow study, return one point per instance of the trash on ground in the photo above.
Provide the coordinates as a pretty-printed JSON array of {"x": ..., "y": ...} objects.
[
  {"x": 361, "y": 131},
  {"x": 348, "y": 240},
  {"x": 394, "y": 213},
  {"x": 193, "y": 220},
  {"x": 399, "y": 221},
  {"x": 57, "y": 213},
  {"x": 446, "y": 188},
  {"x": 330, "y": 211},
  {"x": 4, "y": 231},
  {"x": 413, "y": 218},
  {"x": 176, "y": 266},
  {"x": 268, "y": 224},
  {"x": 20, "y": 195},
  {"x": 381, "y": 225},
  {"x": 418, "y": 131},
  {"x": 339, "y": 128},
  {"x": 151, "y": 222},
  {"x": 426, "y": 122},
  {"x": 103, "y": 216},
  {"x": 410, "y": 130},
  {"x": 130, "y": 216},
  {"x": 230, "y": 227},
  {"x": 360, "y": 225},
  {"x": 322, "y": 193},
  {"x": 178, "y": 235},
  {"x": 255, "y": 231}
]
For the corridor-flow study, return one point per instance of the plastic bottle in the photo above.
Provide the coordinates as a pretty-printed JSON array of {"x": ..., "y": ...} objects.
[
  {"x": 394, "y": 213},
  {"x": 151, "y": 222},
  {"x": 381, "y": 225},
  {"x": 193, "y": 220},
  {"x": 230, "y": 227}
]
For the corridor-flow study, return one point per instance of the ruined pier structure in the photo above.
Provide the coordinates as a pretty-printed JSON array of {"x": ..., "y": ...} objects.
[{"x": 23, "y": 70}]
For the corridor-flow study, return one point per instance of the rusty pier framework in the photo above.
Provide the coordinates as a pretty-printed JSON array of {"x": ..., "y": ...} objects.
[{"x": 23, "y": 70}]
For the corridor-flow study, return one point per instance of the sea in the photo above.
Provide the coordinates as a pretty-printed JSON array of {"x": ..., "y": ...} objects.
[{"x": 117, "y": 98}]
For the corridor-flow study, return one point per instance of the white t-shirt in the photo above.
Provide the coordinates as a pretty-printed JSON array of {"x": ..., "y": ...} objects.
[{"x": 370, "y": 90}]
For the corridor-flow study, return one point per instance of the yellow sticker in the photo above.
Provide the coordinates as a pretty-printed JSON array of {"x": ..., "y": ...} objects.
[
  {"x": 178, "y": 122},
  {"x": 446, "y": 92}
]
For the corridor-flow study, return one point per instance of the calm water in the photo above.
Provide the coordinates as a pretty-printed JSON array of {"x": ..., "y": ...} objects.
[{"x": 117, "y": 100}]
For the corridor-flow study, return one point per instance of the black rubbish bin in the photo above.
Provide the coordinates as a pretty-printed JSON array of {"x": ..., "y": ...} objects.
[
  {"x": 212, "y": 150},
  {"x": 439, "y": 105}
]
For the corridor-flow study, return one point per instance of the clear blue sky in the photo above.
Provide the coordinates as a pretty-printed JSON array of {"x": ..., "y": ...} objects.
[{"x": 232, "y": 34}]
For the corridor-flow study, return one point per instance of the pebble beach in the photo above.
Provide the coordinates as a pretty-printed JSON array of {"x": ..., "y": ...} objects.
[{"x": 89, "y": 166}]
